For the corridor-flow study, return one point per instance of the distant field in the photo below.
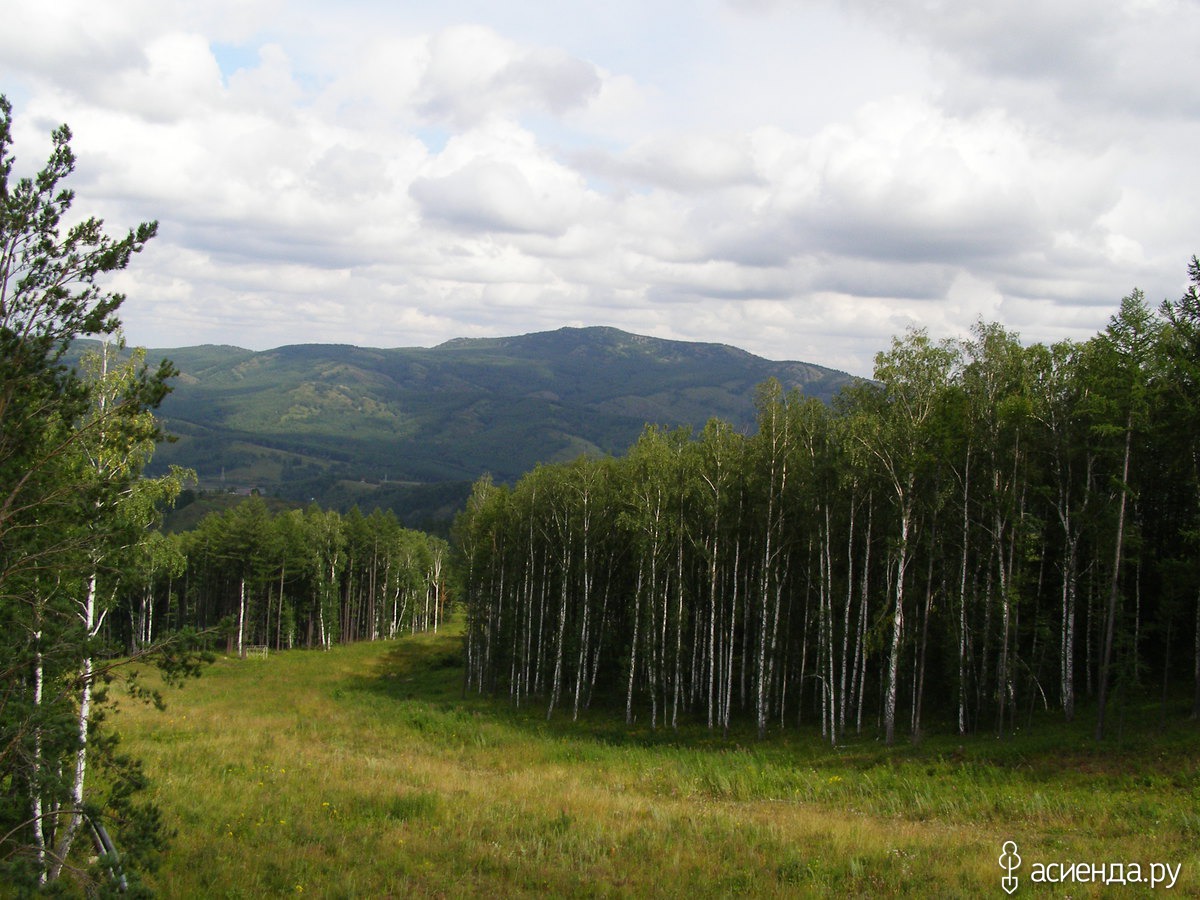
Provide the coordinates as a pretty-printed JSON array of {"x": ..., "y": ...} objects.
[{"x": 362, "y": 773}]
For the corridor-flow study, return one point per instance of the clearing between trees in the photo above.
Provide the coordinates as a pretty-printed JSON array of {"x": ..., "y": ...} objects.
[{"x": 362, "y": 771}]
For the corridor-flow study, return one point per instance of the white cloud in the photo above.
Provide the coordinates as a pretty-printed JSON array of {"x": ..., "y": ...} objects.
[
  {"x": 1136, "y": 58},
  {"x": 496, "y": 178},
  {"x": 179, "y": 76},
  {"x": 270, "y": 87},
  {"x": 67, "y": 42},
  {"x": 680, "y": 162},
  {"x": 791, "y": 178},
  {"x": 473, "y": 73}
]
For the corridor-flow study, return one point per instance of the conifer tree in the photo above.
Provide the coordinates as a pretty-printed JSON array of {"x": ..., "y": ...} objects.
[{"x": 72, "y": 447}]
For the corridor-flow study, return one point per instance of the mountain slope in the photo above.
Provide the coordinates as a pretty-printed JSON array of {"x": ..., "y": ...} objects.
[{"x": 310, "y": 419}]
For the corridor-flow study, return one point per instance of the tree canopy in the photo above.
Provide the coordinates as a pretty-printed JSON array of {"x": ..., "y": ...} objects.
[
  {"x": 74, "y": 511},
  {"x": 1016, "y": 524}
]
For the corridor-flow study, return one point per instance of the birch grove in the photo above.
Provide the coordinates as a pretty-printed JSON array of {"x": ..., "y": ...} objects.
[
  {"x": 993, "y": 518},
  {"x": 302, "y": 578}
]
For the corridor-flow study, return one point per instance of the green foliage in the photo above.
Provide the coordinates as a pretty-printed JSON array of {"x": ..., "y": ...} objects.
[
  {"x": 287, "y": 577},
  {"x": 984, "y": 530},
  {"x": 74, "y": 513},
  {"x": 348, "y": 426}
]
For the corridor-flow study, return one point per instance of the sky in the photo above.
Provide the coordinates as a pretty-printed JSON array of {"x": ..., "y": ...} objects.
[{"x": 804, "y": 180}]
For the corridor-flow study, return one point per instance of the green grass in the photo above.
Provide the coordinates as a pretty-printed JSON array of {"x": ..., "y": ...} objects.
[{"x": 362, "y": 772}]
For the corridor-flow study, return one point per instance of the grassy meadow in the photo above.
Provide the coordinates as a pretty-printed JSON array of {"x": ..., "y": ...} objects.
[{"x": 363, "y": 773}]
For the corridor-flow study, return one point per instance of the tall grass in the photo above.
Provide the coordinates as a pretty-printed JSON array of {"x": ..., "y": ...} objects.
[{"x": 362, "y": 772}]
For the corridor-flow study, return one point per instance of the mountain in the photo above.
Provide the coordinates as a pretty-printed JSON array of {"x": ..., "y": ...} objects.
[{"x": 408, "y": 428}]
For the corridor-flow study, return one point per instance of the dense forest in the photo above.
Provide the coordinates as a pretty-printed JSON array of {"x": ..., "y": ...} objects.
[
  {"x": 308, "y": 578},
  {"x": 983, "y": 530}
]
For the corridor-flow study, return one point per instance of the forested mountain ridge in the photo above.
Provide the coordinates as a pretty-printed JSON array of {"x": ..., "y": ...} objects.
[{"x": 336, "y": 423}]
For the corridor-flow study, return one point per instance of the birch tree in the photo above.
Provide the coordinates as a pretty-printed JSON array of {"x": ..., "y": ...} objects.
[
  {"x": 996, "y": 387},
  {"x": 121, "y": 438},
  {"x": 71, "y": 450},
  {"x": 896, "y": 431},
  {"x": 1060, "y": 395},
  {"x": 1122, "y": 356}
]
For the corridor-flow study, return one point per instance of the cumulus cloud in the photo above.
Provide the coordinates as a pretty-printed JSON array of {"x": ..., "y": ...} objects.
[
  {"x": 1134, "y": 57},
  {"x": 482, "y": 183},
  {"x": 785, "y": 177},
  {"x": 177, "y": 75},
  {"x": 474, "y": 73},
  {"x": 55, "y": 42},
  {"x": 679, "y": 162},
  {"x": 907, "y": 182}
]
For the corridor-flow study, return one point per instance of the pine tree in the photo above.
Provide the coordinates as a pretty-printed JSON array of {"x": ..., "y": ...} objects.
[{"x": 72, "y": 447}]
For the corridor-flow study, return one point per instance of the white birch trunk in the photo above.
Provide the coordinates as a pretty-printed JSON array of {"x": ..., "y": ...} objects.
[
  {"x": 241, "y": 620},
  {"x": 728, "y": 704},
  {"x": 889, "y": 709},
  {"x": 64, "y": 841},
  {"x": 962, "y": 597},
  {"x": 678, "y": 626},
  {"x": 39, "y": 835},
  {"x": 830, "y": 684},
  {"x": 842, "y": 687},
  {"x": 637, "y": 620},
  {"x": 860, "y": 648}
]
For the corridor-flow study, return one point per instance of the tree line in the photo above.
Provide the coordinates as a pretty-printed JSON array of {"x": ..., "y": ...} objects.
[
  {"x": 75, "y": 520},
  {"x": 982, "y": 530},
  {"x": 299, "y": 578},
  {"x": 90, "y": 584}
]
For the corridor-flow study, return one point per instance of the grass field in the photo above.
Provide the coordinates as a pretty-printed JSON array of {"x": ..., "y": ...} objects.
[{"x": 362, "y": 773}]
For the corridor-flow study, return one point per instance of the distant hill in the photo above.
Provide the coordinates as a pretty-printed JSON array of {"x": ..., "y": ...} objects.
[{"x": 411, "y": 428}]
